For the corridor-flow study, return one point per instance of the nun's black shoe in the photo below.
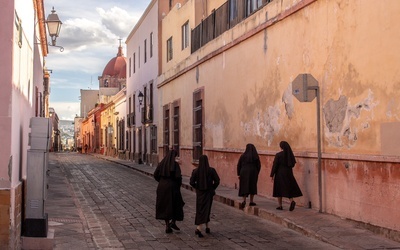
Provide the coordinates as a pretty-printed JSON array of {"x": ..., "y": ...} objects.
[
  {"x": 279, "y": 208},
  {"x": 198, "y": 233},
  {"x": 174, "y": 226},
  {"x": 208, "y": 230},
  {"x": 242, "y": 205},
  {"x": 168, "y": 230},
  {"x": 252, "y": 204},
  {"x": 292, "y": 205}
]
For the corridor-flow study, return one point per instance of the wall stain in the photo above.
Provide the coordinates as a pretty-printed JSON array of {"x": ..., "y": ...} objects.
[
  {"x": 287, "y": 99},
  {"x": 219, "y": 128},
  {"x": 264, "y": 124}
]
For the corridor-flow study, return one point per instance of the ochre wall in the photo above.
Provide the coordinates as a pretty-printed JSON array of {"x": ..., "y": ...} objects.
[{"x": 351, "y": 48}]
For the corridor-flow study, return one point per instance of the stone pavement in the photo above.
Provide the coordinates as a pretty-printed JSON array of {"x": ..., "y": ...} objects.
[
  {"x": 331, "y": 229},
  {"x": 97, "y": 204},
  {"x": 93, "y": 203}
]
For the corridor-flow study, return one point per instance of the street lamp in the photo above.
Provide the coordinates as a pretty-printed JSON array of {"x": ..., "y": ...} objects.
[
  {"x": 140, "y": 97},
  {"x": 54, "y": 27}
]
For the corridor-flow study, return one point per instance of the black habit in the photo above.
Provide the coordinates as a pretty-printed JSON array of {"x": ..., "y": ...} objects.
[
  {"x": 169, "y": 202},
  {"x": 285, "y": 185},
  {"x": 248, "y": 168},
  {"x": 205, "y": 180}
]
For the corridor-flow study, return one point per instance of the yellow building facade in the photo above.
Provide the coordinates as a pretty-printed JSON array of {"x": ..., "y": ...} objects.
[{"x": 237, "y": 88}]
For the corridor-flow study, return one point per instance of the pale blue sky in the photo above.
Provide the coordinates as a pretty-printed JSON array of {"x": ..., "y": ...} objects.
[{"x": 89, "y": 35}]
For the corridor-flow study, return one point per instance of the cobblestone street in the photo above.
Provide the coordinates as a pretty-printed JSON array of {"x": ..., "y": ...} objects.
[{"x": 97, "y": 204}]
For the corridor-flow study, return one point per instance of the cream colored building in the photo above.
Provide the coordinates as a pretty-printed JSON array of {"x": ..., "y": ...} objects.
[
  {"x": 143, "y": 67},
  {"x": 119, "y": 109},
  {"x": 23, "y": 95},
  {"x": 235, "y": 87},
  {"x": 108, "y": 140}
]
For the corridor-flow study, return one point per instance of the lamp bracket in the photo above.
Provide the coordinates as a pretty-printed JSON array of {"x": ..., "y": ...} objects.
[{"x": 60, "y": 47}]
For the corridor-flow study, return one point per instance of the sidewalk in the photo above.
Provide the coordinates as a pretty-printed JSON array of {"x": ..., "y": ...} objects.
[{"x": 331, "y": 229}]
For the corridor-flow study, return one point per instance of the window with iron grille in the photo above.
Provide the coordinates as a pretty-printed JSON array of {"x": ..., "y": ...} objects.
[
  {"x": 185, "y": 35},
  {"x": 176, "y": 126},
  {"x": 166, "y": 128},
  {"x": 197, "y": 124},
  {"x": 169, "y": 49}
]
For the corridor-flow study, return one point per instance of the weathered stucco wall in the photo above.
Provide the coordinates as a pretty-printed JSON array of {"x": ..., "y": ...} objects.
[{"x": 351, "y": 48}]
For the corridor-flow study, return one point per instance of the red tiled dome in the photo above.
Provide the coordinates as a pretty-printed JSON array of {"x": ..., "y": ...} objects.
[{"x": 116, "y": 67}]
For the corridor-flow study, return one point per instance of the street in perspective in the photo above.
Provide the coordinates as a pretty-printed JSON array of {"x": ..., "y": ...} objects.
[{"x": 95, "y": 203}]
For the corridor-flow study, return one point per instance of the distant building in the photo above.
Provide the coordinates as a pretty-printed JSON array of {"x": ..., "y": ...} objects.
[
  {"x": 77, "y": 133},
  {"x": 55, "y": 140},
  {"x": 89, "y": 99},
  {"x": 109, "y": 118},
  {"x": 67, "y": 134},
  {"x": 113, "y": 78}
]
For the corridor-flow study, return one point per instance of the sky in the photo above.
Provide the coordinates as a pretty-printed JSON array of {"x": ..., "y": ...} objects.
[{"x": 90, "y": 36}]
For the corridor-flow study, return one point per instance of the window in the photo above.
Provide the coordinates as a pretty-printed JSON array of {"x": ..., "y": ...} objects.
[
  {"x": 133, "y": 116},
  {"x": 176, "y": 126},
  {"x": 233, "y": 9},
  {"x": 130, "y": 66},
  {"x": 253, "y": 5},
  {"x": 120, "y": 133},
  {"x": 134, "y": 63},
  {"x": 139, "y": 57},
  {"x": 149, "y": 109},
  {"x": 185, "y": 35},
  {"x": 129, "y": 105},
  {"x": 37, "y": 101},
  {"x": 153, "y": 139},
  {"x": 18, "y": 26},
  {"x": 151, "y": 44},
  {"x": 197, "y": 124},
  {"x": 169, "y": 49},
  {"x": 166, "y": 129},
  {"x": 145, "y": 50},
  {"x": 127, "y": 144}
]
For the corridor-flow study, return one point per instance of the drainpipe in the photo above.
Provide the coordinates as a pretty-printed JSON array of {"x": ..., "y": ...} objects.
[{"x": 316, "y": 88}]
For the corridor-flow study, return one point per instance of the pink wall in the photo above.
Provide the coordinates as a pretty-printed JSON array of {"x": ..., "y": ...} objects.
[
  {"x": 7, "y": 23},
  {"x": 361, "y": 190}
]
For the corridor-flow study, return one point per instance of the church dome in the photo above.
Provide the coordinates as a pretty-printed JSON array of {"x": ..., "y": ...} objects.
[{"x": 116, "y": 67}]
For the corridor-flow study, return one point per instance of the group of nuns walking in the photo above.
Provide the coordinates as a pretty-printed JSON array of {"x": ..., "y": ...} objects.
[{"x": 205, "y": 179}]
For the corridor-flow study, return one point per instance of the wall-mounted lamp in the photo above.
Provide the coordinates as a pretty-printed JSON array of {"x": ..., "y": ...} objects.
[
  {"x": 54, "y": 27},
  {"x": 140, "y": 97}
]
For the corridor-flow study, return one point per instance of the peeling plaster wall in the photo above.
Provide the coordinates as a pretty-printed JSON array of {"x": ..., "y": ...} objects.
[{"x": 339, "y": 117}]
